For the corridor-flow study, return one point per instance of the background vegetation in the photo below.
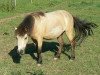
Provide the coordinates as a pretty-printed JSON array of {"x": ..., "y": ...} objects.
[{"x": 87, "y": 60}]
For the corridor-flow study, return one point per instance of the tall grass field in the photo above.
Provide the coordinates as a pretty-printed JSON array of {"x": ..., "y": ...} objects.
[{"x": 87, "y": 60}]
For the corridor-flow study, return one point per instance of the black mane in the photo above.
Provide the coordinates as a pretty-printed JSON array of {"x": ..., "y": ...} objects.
[{"x": 27, "y": 24}]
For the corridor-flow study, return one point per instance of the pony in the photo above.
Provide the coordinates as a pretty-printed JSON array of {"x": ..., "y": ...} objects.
[{"x": 52, "y": 25}]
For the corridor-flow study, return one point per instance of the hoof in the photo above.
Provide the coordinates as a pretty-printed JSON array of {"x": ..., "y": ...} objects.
[
  {"x": 38, "y": 64},
  {"x": 55, "y": 58}
]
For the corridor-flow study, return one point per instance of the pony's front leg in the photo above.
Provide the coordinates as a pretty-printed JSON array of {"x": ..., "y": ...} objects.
[{"x": 39, "y": 51}]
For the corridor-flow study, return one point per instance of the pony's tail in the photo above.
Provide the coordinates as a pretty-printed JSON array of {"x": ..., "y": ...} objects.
[{"x": 82, "y": 29}]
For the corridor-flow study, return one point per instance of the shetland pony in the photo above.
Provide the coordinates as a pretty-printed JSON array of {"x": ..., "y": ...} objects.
[{"x": 52, "y": 25}]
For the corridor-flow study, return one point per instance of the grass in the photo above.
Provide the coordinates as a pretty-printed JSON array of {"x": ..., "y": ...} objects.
[
  {"x": 37, "y": 5},
  {"x": 87, "y": 60}
]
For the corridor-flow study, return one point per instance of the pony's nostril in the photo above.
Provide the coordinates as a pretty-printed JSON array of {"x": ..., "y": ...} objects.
[{"x": 20, "y": 52}]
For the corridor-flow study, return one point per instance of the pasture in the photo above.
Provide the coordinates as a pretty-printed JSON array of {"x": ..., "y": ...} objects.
[{"x": 87, "y": 60}]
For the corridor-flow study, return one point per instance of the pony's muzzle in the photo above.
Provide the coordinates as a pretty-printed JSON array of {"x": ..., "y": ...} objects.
[{"x": 21, "y": 52}]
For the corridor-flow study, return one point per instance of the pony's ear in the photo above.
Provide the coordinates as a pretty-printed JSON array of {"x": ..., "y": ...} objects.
[{"x": 15, "y": 28}]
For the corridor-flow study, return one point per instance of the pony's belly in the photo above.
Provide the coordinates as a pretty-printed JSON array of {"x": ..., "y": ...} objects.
[{"x": 54, "y": 33}]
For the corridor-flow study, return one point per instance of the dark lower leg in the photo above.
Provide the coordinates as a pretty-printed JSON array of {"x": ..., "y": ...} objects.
[
  {"x": 38, "y": 45},
  {"x": 57, "y": 54},
  {"x": 61, "y": 43},
  {"x": 35, "y": 42},
  {"x": 73, "y": 50},
  {"x": 39, "y": 57},
  {"x": 39, "y": 51}
]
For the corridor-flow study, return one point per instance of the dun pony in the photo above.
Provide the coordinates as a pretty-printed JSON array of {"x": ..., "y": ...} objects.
[{"x": 52, "y": 25}]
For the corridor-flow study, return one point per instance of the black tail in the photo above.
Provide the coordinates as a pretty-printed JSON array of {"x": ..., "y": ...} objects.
[{"x": 82, "y": 29}]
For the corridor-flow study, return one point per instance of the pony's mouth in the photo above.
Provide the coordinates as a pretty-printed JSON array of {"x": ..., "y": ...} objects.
[{"x": 21, "y": 52}]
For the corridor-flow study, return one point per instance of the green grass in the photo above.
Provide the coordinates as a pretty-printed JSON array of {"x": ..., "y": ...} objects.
[
  {"x": 87, "y": 60},
  {"x": 24, "y": 6}
]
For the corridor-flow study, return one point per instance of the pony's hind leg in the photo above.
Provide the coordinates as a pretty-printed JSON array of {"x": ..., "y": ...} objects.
[
  {"x": 72, "y": 42},
  {"x": 61, "y": 44}
]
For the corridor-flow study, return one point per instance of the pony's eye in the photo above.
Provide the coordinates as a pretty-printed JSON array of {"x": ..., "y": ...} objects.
[{"x": 25, "y": 37}]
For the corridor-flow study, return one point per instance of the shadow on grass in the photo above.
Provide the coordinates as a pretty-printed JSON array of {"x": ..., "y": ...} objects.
[
  {"x": 15, "y": 56},
  {"x": 31, "y": 49}
]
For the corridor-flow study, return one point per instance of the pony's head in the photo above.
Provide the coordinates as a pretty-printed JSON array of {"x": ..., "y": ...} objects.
[
  {"x": 22, "y": 42},
  {"x": 22, "y": 32}
]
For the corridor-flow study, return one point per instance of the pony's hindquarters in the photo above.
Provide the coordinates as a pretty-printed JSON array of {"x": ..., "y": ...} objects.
[
  {"x": 70, "y": 35},
  {"x": 70, "y": 32}
]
